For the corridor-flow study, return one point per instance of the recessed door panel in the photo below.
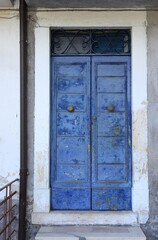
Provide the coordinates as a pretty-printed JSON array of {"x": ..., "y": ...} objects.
[
  {"x": 111, "y": 125},
  {"x": 109, "y": 83},
  {"x": 74, "y": 149},
  {"x": 111, "y": 199},
  {"x": 71, "y": 198},
  {"x": 116, "y": 99},
  {"x": 111, "y": 150},
  {"x": 76, "y": 100}
]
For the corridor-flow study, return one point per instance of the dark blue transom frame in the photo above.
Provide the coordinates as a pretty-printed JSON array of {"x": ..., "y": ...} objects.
[{"x": 96, "y": 41}]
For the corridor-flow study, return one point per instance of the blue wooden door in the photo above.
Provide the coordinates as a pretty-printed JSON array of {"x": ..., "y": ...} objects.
[
  {"x": 111, "y": 156},
  {"x": 70, "y": 133},
  {"x": 90, "y": 138}
]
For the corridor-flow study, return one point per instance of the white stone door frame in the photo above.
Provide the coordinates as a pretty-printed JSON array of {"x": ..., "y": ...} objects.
[{"x": 136, "y": 21}]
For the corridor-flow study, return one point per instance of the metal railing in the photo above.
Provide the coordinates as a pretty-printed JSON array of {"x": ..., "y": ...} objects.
[{"x": 8, "y": 211}]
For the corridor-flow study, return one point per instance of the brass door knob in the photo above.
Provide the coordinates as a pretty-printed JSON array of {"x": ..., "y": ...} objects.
[
  {"x": 70, "y": 109},
  {"x": 111, "y": 108}
]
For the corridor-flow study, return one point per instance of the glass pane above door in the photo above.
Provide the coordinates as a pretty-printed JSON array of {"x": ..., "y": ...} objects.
[{"x": 113, "y": 41}]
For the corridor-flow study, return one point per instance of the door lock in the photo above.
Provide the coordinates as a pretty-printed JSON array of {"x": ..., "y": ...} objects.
[{"x": 94, "y": 118}]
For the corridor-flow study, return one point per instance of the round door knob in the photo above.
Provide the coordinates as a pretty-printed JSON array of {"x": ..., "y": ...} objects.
[
  {"x": 70, "y": 109},
  {"x": 111, "y": 108}
]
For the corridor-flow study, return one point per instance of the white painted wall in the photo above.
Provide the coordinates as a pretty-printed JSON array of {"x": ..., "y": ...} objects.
[{"x": 9, "y": 97}]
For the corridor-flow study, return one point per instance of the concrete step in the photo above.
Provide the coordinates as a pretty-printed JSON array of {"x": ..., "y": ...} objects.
[{"x": 90, "y": 233}]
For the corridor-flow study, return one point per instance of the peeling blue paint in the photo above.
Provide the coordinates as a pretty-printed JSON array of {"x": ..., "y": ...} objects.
[{"x": 90, "y": 152}]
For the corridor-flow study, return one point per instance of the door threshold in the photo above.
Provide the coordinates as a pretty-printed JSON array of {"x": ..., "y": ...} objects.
[
  {"x": 90, "y": 233},
  {"x": 86, "y": 218}
]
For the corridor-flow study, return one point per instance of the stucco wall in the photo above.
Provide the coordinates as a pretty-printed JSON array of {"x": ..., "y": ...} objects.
[
  {"x": 153, "y": 109},
  {"x": 9, "y": 97},
  {"x": 31, "y": 230},
  {"x": 10, "y": 109},
  {"x": 151, "y": 228},
  {"x": 152, "y": 35}
]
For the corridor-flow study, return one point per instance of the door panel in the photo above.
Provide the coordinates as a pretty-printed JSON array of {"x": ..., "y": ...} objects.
[
  {"x": 111, "y": 163},
  {"x": 111, "y": 150},
  {"x": 75, "y": 69},
  {"x": 111, "y": 84},
  {"x": 71, "y": 198},
  {"x": 109, "y": 69},
  {"x": 71, "y": 99},
  {"x": 71, "y": 124},
  {"x": 111, "y": 199},
  {"x": 70, "y": 170},
  {"x": 75, "y": 154},
  {"x": 116, "y": 99},
  {"x": 110, "y": 125},
  {"x": 90, "y": 145},
  {"x": 111, "y": 172},
  {"x": 75, "y": 84}
]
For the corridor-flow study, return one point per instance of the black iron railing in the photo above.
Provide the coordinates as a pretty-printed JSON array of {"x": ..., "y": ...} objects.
[{"x": 8, "y": 211}]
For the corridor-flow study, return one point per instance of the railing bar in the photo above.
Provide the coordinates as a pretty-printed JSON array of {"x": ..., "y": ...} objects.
[
  {"x": 12, "y": 232},
  {"x": 16, "y": 180},
  {"x": 4, "y": 220},
  {"x": 8, "y": 211},
  {"x": 8, "y": 215},
  {"x": 14, "y": 218},
  {"x": 8, "y": 197},
  {"x": 5, "y": 232},
  {"x": 12, "y": 194},
  {"x": 5, "y": 200},
  {"x": 10, "y": 235}
]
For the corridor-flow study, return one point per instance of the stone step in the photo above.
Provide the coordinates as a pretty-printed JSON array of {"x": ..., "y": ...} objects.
[{"x": 90, "y": 233}]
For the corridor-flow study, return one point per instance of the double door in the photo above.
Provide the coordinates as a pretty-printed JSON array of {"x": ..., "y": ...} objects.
[{"x": 90, "y": 133}]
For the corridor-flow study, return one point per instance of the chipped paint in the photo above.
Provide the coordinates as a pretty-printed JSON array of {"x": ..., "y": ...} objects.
[
  {"x": 139, "y": 122},
  {"x": 108, "y": 127},
  {"x": 140, "y": 144},
  {"x": 41, "y": 172}
]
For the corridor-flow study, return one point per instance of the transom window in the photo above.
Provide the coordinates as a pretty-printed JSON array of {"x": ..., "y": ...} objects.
[{"x": 116, "y": 42}]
